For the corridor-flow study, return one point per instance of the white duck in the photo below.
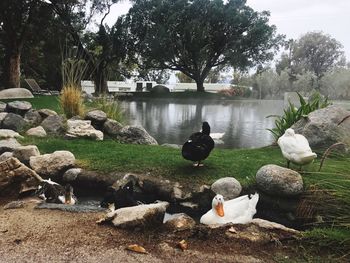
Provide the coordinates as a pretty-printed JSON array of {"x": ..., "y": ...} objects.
[
  {"x": 238, "y": 211},
  {"x": 295, "y": 148}
]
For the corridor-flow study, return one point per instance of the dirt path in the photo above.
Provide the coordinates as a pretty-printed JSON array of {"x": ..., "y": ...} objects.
[{"x": 40, "y": 235}]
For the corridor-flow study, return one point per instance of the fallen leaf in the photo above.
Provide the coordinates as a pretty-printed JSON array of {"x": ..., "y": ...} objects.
[
  {"x": 183, "y": 244},
  {"x": 136, "y": 248}
]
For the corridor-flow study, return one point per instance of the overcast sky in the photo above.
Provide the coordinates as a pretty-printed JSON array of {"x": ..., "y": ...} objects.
[{"x": 293, "y": 18}]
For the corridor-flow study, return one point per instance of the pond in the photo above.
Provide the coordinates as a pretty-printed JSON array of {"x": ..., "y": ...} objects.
[{"x": 239, "y": 123}]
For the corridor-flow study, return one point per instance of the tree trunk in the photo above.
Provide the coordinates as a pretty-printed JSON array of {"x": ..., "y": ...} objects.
[
  {"x": 200, "y": 86},
  {"x": 12, "y": 69},
  {"x": 100, "y": 80}
]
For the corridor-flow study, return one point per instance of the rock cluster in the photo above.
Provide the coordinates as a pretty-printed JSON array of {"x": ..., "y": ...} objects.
[{"x": 18, "y": 116}]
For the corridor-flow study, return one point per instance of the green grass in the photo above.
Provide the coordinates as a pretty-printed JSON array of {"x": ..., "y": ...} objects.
[
  {"x": 42, "y": 102},
  {"x": 109, "y": 155}
]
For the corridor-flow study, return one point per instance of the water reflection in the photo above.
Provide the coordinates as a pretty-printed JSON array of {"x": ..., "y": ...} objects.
[{"x": 243, "y": 123}]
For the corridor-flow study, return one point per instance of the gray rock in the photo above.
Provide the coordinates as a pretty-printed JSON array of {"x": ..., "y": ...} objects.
[
  {"x": 228, "y": 187},
  {"x": 70, "y": 208},
  {"x": 5, "y": 156},
  {"x": 54, "y": 125},
  {"x": 52, "y": 164},
  {"x": 272, "y": 225},
  {"x": 275, "y": 180},
  {"x": 14, "y": 122},
  {"x": 97, "y": 118},
  {"x": 142, "y": 216},
  {"x": 112, "y": 127},
  {"x": 2, "y": 106},
  {"x": 321, "y": 127},
  {"x": 33, "y": 117},
  {"x": 36, "y": 132},
  {"x": 71, "y": 174},
  {"x": 83, "y": 129},
  {"x": 8, "y": 145},
  {"x": 6, "y": 133},
  {"x": 18, "y": 107},
  {"x": 135, "y": 135},
  {"x": 44, "y": 113},
  {"x": 160, "y": 89},
  {"x": 23, "y": 153},
  {"x": 16, "y": 93},
  {"x": 14, "y": 205},
  {"x": 13, "y": 174}
]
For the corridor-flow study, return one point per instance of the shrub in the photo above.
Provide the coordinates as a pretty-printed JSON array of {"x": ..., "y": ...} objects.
[
  {"x": 293, "y": 114},
  {"x": 71, "y": 102}
]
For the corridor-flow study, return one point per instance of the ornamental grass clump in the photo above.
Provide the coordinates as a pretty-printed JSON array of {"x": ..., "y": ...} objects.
[{"x": 71, "y": 101}]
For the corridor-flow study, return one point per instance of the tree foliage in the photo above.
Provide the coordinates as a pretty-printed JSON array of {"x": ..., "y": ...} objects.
[
  {"x": 18, "y": 19},
  {"x": 195, "y": 36},
  {"x": 314, "y": 52}
]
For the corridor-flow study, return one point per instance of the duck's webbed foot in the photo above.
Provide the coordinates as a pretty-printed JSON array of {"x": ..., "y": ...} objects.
[{"x": 198, "y": 164}]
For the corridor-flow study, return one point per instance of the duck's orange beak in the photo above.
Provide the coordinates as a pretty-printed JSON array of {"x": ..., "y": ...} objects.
[{"x": 220, "y": 209}]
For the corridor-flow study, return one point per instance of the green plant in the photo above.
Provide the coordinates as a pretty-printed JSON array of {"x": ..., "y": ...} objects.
[
  {"x": 292, "y": 114},
  {"x": 73, "y": 71},
  {"x": 70, "y": 99},
  {"x": 112, "y": 107}
]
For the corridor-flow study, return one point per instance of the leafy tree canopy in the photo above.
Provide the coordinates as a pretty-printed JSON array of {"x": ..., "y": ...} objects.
[
  {"x": 315, "y": 52},
  {"x": 195, "y": 36}
]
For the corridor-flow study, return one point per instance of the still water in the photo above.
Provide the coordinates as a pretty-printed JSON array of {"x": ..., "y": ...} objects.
[{"x": 240, "y": 124}]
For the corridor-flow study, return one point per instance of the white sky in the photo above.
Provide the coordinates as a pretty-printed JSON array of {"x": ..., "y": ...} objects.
[{"x": 293, "y": 18}]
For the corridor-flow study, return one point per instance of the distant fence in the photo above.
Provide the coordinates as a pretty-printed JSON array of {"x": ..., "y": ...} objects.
[
  {"x": 118, "y": 86},
  {"x": 121, "y": 86}
]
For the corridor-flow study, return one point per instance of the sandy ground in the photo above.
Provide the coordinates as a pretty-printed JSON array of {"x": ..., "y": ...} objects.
[{"x": 41, "y": 235}]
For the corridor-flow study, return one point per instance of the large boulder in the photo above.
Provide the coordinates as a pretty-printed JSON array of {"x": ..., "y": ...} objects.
[
  {"x": 16, "y": 93},
  {"x": 14, "y": 122},
  {"x": 141, "y": 216},
  {"x": 83, "y": 129},
  {"x": 36, "y": 132},
  {"x": 33, "y": 117},
  {"x": 112, "y": 127},
  {"x": 52, "y": 164},
  {"x": 275, "y": 180},
  {"x": 228, "y": 187},
  {"x": 135, "y": 135},
  {"x": 8, "y": 145},
  {"x": 6, "y": 133},
  {"x": 46, "y": 113},
  {"x": 54, "y": 125},
  {"x": 23, "y": 153},
  {"x": 97, "y": 118},
  {"x": 18, "y": 107},
  {"x": 13, "y": 174},
  {"x": 160, "y": 89},
  {"x": 323, "y": 127}
]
